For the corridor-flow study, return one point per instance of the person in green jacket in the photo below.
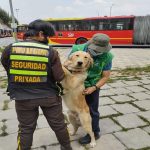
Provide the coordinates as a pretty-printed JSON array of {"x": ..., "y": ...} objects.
[{"x": 98, "y": 47}]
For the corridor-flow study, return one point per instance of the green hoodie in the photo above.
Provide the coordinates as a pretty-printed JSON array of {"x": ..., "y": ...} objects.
[{"x": 95, "y": 71}]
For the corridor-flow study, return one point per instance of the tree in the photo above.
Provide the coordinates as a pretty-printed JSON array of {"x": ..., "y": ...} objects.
[{"x": 5, "y": 18}]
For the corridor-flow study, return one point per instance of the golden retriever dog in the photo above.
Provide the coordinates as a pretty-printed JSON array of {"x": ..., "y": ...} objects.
[{"x": 75, "y": 69}]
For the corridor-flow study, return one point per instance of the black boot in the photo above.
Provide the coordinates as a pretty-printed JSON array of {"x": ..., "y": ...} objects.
[
  {"x": 97, "y": 135},
  {"x": 87, "y": 139}
]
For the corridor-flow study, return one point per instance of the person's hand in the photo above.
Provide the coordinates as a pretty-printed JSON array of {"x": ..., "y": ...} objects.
[{"x": 89, "y": 90}]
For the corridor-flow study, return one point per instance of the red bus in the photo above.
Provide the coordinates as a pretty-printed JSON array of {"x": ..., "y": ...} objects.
[
  {"x": 21, "y": 29},
  {"x": 122, "y": 30},
  {"x": 79, "y": 30}
]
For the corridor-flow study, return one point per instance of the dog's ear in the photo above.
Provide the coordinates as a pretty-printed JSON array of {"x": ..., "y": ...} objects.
[
  {"x": 91, "y": 61},
  {"x": 70, "y": 56}
]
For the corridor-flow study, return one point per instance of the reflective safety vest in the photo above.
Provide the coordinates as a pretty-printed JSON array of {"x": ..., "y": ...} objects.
[{"x": 29, "y": 63}]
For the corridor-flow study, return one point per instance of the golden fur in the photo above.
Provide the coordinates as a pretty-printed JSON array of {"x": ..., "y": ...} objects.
[{"x": 73, "y": 97}]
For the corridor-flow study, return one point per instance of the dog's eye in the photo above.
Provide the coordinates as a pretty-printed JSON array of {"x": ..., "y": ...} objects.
[
  {"x": 77, "y": 55},
  {"x": 85, "y": 57}
]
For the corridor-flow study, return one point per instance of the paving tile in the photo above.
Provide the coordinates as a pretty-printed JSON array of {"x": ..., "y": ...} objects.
[
  {"x": 118, "y": 91},
  {"x": 75, "y": 145},
  {"x": 108, "y": 142},
  {"x": 118, "y": 84},
  {"x": 8, "y": 142},
  {"x": 106, "y": 86},
  {"x": 134, "y": 139},
  {"x": 4, "y": 97},
  {"x": 145, "y": 115},
  {"x": 122, "y": 98},
  {"x": 145, "y": 81},
  {"x": 55, "y": 147},
  {"x": 106, "y": 101},
  {"x": 8, "y": 114},
  {"x": 11, "y": 105},
  {"x": 106, "y": 111},
  {"x": 108, "y": 126},
  {"x": 12, "y": 126},
  {"x": 44, "y": 136},
  {"x": 3, "y": 90},
  {"x": 106, "y": 92},
  {"x": 145, "y": 104},
  {"x": 132, "y": 82},
  {"x": 147, "y": 86},
  {"x": 140, "y": 96},
  {"x": 147, "y": 129},
  {"x": 136, "y": 89},
  {"x": 1, "y": 104},
  {"x": 130, "y": 121},
  {"x": 125, "y": 108},
  {"x": 42, "y": 122},
  {"x": 1, "y": 124}
]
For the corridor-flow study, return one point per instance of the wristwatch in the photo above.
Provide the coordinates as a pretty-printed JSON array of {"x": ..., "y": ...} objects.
[{"x": 96, "y": 87}]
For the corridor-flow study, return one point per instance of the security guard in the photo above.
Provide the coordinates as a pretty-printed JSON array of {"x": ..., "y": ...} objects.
[{"x": 33, "y": 68}]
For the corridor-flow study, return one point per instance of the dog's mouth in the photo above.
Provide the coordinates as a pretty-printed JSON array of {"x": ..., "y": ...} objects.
[{"x": 76, "y": 68}]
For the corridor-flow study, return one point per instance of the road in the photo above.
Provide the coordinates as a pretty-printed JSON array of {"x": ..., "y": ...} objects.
[{"x": 6, "y": 41}]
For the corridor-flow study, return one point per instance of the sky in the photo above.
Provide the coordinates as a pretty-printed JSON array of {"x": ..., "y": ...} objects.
[{"x": 28, "y": 10}]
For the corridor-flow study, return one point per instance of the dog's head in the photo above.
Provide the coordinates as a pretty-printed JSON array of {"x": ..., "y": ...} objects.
[{"x": 79, "y": 61}]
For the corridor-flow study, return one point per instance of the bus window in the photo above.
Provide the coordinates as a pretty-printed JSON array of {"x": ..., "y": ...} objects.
[
  {"x": 78, "y": 25},
  {"x": 103, "y": 24},
  {"x": 86, "y": 25},
  {"x": 55, "y": 25},
  {"x": 94, "y": 25},
  {"x": 120, "y": 24}
]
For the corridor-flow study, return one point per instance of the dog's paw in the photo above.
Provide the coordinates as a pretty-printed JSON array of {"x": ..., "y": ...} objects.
[
  {"x": 92, "y": 144},
  {"x": 72, "y": 133}
]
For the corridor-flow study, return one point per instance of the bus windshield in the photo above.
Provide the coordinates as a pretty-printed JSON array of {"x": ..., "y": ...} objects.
[{"x": 21, "y": 29}]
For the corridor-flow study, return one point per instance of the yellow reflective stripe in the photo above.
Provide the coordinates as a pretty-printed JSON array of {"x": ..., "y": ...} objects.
[
  {"x": 30, "y": 44},
  {"x": 26, "y": 72},
  {"x": 18, "y": 140},
  {"x": 31, "y": 58}
]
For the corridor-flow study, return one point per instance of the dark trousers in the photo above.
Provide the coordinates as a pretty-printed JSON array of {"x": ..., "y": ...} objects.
[
  {"x": 28, "y": 112},
  {"x": 93, "y": 103}
]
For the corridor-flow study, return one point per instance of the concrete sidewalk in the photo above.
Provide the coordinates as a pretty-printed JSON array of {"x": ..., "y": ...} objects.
[{"x": 124, "y": 108}]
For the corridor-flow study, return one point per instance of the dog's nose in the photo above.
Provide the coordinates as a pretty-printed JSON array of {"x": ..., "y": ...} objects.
[{"x": 80, "y": 63}]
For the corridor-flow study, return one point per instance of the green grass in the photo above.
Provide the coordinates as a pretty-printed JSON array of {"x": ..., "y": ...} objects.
[
  {"x": 129, "y": 74},
  {"x": 3, "y": 128},
  {"x": 1, "y": 49},
  {"x": 3, "y": 82},
  {"x": 5, "y": 105}
]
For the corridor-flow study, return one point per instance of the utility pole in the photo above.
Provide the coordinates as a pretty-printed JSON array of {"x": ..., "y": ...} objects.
[
  {"x": 17, "y": 12},
  {"x": 13, "y": 24},
  {"x": 111, "y": 8}
]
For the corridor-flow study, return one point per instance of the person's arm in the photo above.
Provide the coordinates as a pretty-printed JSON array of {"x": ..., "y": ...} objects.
[
  {"x": 105, "y": 75},
  {"x": 99, "y": 84},
  {"x": 57, "y": 70},
  {"x": 104, "y": 79},
  {"x": 5, "y": 57}
]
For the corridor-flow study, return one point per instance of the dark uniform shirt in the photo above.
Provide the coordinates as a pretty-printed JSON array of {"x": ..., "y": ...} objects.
[{"x": 35, "y": 93}]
